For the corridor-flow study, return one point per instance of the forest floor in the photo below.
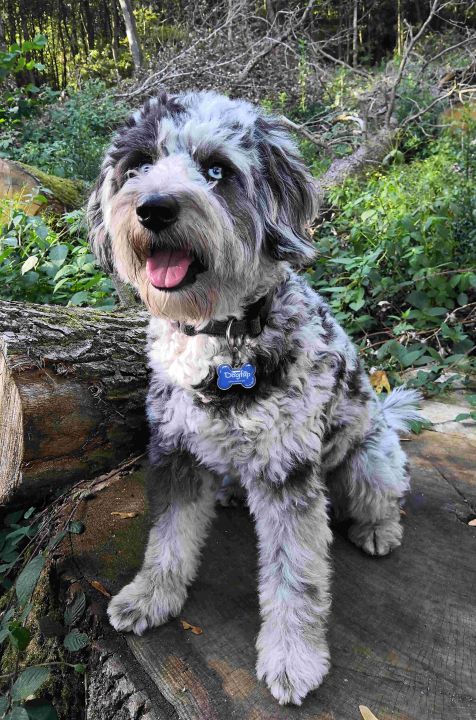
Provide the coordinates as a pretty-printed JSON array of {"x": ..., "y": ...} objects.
[{"x": 401, "y": 630}]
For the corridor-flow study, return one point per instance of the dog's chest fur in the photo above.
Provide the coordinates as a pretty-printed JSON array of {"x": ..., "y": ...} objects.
[{"x": 303, "y": 368}]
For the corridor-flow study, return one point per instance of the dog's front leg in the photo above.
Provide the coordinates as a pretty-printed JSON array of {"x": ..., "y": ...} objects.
[
  {"x": 181, "y": 498},
  {"x": 293, "y": 535}
]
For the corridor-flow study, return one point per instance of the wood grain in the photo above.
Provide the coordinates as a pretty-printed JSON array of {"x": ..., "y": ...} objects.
[
  {"x": 72, "y": 393},
  {"x": 402, "y": 629}
]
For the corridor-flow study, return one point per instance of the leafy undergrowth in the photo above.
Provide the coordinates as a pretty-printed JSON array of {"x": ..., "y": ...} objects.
[
  {"x": 66, "y": 136},
  {"x": 397, "y": 263},
  {"x": 48, "y": 261},
  {"x": 34, "y": 647}
]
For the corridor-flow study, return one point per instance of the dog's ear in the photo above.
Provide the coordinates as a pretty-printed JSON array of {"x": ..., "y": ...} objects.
[
  {"x": 99, "y": 239},
  {"x": 290, "y": 194}
]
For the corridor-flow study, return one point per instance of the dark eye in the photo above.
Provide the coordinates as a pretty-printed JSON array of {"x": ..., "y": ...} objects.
[
  {"x": 215, "y": 172},
  {"x": 145, "y": 167}
]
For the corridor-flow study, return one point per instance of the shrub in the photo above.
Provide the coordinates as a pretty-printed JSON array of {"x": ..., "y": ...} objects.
[
  {"x": 47, "y": 263},
  {"x": 397, "y": 259},
  {"x": 68, "y": 138}
]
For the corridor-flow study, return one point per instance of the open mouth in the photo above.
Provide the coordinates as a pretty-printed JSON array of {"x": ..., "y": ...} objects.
[{"x": 172, "y": 269}]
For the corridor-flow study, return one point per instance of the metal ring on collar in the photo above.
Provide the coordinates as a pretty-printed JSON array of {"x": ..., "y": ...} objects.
[{"x": 234, "y": 342}]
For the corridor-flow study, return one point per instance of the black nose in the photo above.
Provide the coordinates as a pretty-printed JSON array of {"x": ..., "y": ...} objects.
[{"x": 156, "y": 212}]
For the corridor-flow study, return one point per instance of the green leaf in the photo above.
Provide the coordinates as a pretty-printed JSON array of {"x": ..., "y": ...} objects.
[
  {"x": 75, "y": 611},
  {"x": 8, "y": 616},
  {"x": 75, "y": 641},
  {"x": 76, "y": 527},
  {"x": 29, "y": 264},
  {"x": 13, "y": 518},
  {"x": 78, "y": 298},
  {"x": 29, "y": 682},
  {"x": 80, "y": 668},
  {"x": 40, "y": 710},
  {"x": 58, "y": 254},
  {"x": 416, "y": 426},
  {"x": 28, "y": 578},
  {"x": 17, "y": 713},
  {"x": 65, "y": 270},
  {"x": 19, "y": 636},
  {"x": 418, "y": 299},
  {"x": 3, "y": 705},
  {"x": 462, "y": 416}
]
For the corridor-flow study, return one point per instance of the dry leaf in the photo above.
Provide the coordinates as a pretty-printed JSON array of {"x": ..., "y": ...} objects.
[
  {"x": 125, "y": 515},
  {"x": 100, "y": 588},
  {"x": 366, "y": 713},
  {"x": 472, "y": 523},
  {"x": 380, "y": 381},
  {"x": 187, "y": 626}
]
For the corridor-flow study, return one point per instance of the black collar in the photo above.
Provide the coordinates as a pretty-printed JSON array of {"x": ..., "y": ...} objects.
[{"x": 250, "y": 325}]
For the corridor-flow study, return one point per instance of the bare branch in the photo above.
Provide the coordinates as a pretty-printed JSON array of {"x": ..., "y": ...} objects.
[
  {"x": 273, "y": 42},
  {"x": 418, "y": 115},
  {"x": 302, "y": 130}
]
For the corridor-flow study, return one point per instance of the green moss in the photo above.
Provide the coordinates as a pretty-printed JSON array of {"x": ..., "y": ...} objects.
[
  {"x": 70, "y": 193},
  {"x": 362, "y": 650}
]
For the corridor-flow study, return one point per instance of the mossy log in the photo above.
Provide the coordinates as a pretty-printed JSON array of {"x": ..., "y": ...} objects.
[
  {"x": 21, "y": 181},
  {"x": 72, "y": 394}
]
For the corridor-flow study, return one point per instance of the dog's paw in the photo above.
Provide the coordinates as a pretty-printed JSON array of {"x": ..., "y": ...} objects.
[
  {"x": 142, "y": 605},
  {"x": 291, "y": 670},
  {"x": 377, "y": 538}
]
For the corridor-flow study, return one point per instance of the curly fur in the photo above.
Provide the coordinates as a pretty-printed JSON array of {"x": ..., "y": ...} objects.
[{"x": 310, "y": 429}]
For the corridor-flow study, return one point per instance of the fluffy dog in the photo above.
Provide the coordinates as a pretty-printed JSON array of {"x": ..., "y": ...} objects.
[{"x": 202, "y": 204}]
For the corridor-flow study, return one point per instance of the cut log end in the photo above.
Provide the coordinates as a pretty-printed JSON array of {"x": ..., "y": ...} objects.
[
  {"x": 11, "y": 429},
  {"x": 72, "y": 395}
]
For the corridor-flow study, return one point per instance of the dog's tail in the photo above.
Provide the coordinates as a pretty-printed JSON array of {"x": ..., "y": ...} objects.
[{"x": 400, "y": 407}]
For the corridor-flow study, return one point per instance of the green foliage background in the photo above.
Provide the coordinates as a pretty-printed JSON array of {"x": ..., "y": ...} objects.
[{"x": 396, "y": 249}]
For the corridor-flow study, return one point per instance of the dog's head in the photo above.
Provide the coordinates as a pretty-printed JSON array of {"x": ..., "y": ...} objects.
[{"x": 200, "y": 202}]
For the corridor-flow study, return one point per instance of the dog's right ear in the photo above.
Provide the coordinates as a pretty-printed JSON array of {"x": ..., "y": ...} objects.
[{"x": 99, "y": 239}]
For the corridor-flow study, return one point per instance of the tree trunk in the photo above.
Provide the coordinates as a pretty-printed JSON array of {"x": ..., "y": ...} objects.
[
  {"x": 131, "y": 31},
  {"x": 115, "y": 37},
  {"x": 355, "y": 28},
  {"x": 72, "y": 393}
]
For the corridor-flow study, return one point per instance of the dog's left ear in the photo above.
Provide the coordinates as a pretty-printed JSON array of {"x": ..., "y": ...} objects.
[
  {"x": 99, "y": 239},
  {"x": 290, "y": 194}
]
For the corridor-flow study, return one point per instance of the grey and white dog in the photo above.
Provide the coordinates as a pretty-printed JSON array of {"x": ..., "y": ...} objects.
[{"x": 202, "y": 204}]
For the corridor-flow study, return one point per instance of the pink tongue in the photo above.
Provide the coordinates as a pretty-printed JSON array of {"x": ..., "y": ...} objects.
[{"x": 167, "y": 268}]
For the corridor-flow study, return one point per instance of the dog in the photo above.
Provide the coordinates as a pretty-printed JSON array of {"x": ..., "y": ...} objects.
[{"x": 202, "y": 205}]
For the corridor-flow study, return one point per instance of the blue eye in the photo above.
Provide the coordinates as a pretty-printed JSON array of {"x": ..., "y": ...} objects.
[
  {"x": 215, "y": 172},
  {"x": 145, "y": 168}
]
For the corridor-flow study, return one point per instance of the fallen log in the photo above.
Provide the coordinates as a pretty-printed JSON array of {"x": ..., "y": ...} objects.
[
  {"x": 72, "y": 394},
  {"x": 23, "y": 182},
  {"x": 368, "y": 156}
]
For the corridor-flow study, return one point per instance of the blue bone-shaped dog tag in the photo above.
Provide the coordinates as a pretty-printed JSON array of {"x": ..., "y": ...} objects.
[{"x": 228, "y": 376}]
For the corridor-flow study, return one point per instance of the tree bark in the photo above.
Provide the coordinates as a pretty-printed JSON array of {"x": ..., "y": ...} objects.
[
  {"x": 355, "y": 28},
  {"x": 131, "y": 31},
  {"x": 368, "y": 155},
  {"x": 72, "y": 394}
]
